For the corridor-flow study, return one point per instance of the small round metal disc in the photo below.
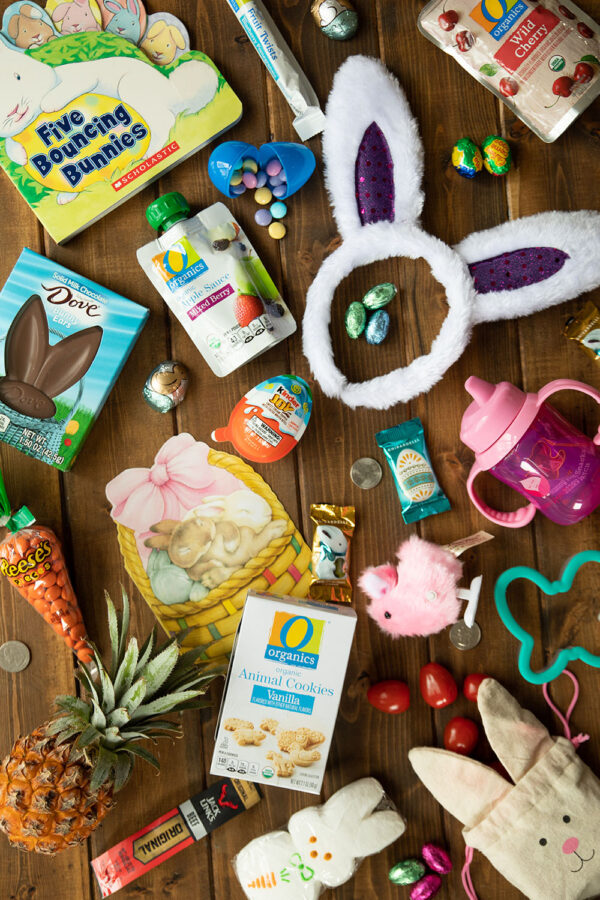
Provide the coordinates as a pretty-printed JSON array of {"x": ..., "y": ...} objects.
[
  {"x": 14, "y": 656},
  {"x": 463, "y": 637},
  {"x": 366, "y": 473}
]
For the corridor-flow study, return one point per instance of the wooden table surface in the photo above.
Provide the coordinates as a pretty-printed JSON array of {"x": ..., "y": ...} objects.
[{"x": 528, "y": 352}]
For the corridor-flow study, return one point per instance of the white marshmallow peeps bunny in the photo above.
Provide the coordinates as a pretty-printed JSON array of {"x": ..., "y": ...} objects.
[
  {"x": 543, "y": 832},
  {"x": 323, "y": 846},
  {"x": 374, "y": 166},
  {"x": 332, "y": 544},
  {"x": 30, "y": 87}
]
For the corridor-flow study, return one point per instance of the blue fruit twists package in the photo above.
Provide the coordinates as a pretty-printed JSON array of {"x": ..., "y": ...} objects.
[
  {"x": 418, "y": 489},
  {"x": 63, "y": 342}
]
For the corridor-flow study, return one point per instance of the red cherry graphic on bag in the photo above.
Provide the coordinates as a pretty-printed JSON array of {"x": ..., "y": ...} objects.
[
  {"x": 566, "y": 12},
  {"x": 246, "y": 309},
  {"x": 509, "y": 87},
  {"x": 583, "y": 73},
  {"x": 464, "y": 41},
  {"x": 448, "y": 19},
  {"x": 563, "y": 86},
  {"x": 584, "y": 30}
]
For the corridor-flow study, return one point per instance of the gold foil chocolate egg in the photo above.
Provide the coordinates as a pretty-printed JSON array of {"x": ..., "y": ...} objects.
[
  {"x": 336, "y": 18},
  {"x": 380, "y": 295},
  {"x": 166, "y": 386}
]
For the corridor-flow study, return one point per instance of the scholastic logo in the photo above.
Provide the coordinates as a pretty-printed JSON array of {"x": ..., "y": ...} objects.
[
  {"x": 498, "y": 16},
  {"x": 295, "y": 640}
]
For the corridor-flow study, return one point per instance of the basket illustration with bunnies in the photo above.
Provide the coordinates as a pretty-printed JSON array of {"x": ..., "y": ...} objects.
[{"x": 199, "y": 529}]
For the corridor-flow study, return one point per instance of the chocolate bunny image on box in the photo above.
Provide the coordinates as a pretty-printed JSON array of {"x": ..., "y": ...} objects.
[
  {"x": 542, "y": 832},
  {"x": 37, "y": 371},
  {"x": 373, "y": 160},
  {"x": 31, "y": 87}
]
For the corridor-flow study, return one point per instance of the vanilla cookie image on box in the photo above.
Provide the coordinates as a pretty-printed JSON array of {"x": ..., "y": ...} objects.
[
  {"x": 234, "y": 724},
  {"x": 299, "y": 739},
  {"x": 248, "y": 736},
  {"x": 284, "y": 768},
  {"x": 304, "y": 758},
  {"x": 270, "y": 725}
]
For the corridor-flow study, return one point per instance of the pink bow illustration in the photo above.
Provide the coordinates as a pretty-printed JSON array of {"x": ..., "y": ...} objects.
[{"x": 177, "y": 482}]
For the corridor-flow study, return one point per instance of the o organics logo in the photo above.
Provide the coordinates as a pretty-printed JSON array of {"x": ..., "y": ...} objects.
[
  {"x": 295, "y": 640},
  {"x": 498, "y": 16},
  {"x": 179, "y": 264}
]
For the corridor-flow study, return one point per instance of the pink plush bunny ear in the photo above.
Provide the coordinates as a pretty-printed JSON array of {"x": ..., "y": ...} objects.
[
  {"x": 371, "y": 147},
  {"x": 376, "y": 581}
]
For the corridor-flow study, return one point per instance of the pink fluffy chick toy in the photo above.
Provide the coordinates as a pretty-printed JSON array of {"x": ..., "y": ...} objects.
[{"x": 420, "y": 596}]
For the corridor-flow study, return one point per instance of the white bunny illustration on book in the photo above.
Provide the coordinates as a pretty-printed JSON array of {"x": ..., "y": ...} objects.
[
  {"x": 374, "y": 167},
  {"x": 322, "y": 847},
  {"x": 543, "y": 832},
  {"x": 31, "y": 87}
]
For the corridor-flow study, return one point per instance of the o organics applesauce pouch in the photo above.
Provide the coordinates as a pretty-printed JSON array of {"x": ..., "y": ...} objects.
[
  {"x": 541, "y": 59},
  {"x": 211, "y": 278}
]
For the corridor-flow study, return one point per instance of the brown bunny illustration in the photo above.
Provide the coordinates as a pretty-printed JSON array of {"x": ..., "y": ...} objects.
[{"x": 36, "y": 371}]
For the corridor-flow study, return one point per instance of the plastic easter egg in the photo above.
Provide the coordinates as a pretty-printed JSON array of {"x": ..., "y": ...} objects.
[
  {"x": 166, "y": 386},
  {"x": 337, "y": 19},
  {"x": 355, "y": 320},
  {"x": 497, "y": 158},
  {"x": 378, "y": 327},
  {"x": 466, "y": 158},
  {"x": 379, "y": 296},
  {"x": 269, "y": 420},
  {"x": 407, "y": 871}
]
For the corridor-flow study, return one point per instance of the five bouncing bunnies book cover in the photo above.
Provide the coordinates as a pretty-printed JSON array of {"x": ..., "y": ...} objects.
[
  {"x": 63, "y": 342},
  {"x": 86, "y": 121}
]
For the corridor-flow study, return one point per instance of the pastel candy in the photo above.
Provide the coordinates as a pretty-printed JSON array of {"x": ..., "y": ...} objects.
[
  {"x": 278, "y": 210},
  {"x": 425, "y": 888},
  {"x": 408, "y": 871},
  {"x": 355, "y": 320},
  {"x": 261, "y": 178},
  {"x": 263, "y": 196},
  {"x": 236, "y": 178},
  {"x": 250, "y": 165},
  {"x": 238, "y": 189},
  {"x": 377, "y": 327},
  {"x": 436, "y": 858},
  {"x": 380, "y": 295},
  {"x": 277, "y": 230},
  {"x": 273, "y": 167},
  {"x": 249, "y": 179},
  {"x": 263, "y": 217},
  {"x": 279, "y": 190}
]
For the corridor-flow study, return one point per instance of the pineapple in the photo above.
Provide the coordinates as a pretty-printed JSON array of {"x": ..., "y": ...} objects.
[{"x": 58, "y": 783}]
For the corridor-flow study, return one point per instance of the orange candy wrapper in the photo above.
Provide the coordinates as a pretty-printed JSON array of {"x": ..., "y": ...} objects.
[{"x": 32, "y": 559}]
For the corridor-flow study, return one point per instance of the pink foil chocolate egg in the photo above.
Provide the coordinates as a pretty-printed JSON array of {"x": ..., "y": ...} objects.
[
  {"x": 425, "y": 888},
  {"x": 436, "y": 858}
]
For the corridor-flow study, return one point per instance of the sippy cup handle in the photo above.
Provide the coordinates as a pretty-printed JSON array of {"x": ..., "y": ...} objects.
[
  {"x": 515, "y": 519},
  {"x": 566, "y": 384}
]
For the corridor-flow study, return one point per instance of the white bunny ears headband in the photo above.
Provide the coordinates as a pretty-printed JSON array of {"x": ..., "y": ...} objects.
[{"x": 374, "y": 165}]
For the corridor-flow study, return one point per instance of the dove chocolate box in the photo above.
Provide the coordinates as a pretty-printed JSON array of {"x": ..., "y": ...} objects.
[{"x": 63, "y": 342}]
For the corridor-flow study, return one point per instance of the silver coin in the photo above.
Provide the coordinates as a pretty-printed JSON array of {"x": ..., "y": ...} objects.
[
  {"x": 14, "y": 656},
  {"x": 463, "y": 637},
  {"x": 366, "y": 473}
]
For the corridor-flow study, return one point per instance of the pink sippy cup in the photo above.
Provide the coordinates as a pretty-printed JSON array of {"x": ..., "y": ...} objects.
[{"x": 525, "y": 443}]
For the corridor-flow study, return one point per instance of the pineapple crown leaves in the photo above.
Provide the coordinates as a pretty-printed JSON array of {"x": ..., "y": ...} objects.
[{"x": 125, "y": 702}]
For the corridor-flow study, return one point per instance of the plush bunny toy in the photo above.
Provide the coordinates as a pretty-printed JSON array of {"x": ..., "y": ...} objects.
[
  {"x": 374, "y": 166},
  {"x": 543, "y": 832},
  {"x": 322, "y": 847}
]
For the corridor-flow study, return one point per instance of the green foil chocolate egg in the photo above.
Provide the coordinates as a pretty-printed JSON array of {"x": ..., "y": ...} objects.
[
  {"x": 336, "y": 18},
  {"x": 355, "y": 320},
  {"x": 407, "y": 871},
  {"x": 377, "y": 327},
  {"x": 497, "y": 158},
  {"x": 379, "y": 296}
]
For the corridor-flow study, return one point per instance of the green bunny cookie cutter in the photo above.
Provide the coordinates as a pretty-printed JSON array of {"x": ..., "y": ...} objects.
[{"x": 562, "y": 586}]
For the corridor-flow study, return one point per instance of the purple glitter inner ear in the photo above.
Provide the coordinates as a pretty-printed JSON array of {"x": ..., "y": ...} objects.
[
  {"x": 510, "y": 271},
  {"x": 374, "y": 178}
]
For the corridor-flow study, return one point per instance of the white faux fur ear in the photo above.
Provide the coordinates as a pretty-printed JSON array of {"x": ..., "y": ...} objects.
[
  {"x": 365, "y": 94},
  {"x": 464, "y": 787},
  {"x": 517, "y": 738},
  {"x": 526, "y": 265}
]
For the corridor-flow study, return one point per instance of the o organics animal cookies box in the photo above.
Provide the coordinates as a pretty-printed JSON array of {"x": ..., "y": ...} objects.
[{"x": 283, "y": 691}]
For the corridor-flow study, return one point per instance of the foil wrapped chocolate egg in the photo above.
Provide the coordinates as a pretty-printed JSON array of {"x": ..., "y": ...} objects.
[
  {"x": 497, "y": 158},
  {"x": 466, "y": 158},
  {"x": 166, "y": 386},
  {"x": 436, "y": 858},
  {"x": 380, "y": 295},
  {"x": 425, "y": 888},
  {"x": 378, "y": 327},
  {"x": 407, "y": 871},
  {"x": 355, "y": 319},
  {"x": 336, "y": 18}
]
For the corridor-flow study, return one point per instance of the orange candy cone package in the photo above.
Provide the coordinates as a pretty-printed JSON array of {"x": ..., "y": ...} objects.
[{"x": 32, "y": 559}]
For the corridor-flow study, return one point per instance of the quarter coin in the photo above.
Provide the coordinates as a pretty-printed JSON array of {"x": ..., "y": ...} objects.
[
  {"x": 14, "y": 656},
  {"x": 366, "y": 473},
  {"x": 463, "y": 637}
]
